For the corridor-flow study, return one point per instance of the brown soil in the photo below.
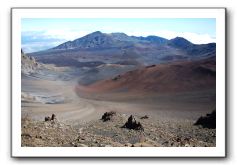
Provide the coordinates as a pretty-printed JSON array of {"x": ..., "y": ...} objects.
[{"x": 163, "y": 78}]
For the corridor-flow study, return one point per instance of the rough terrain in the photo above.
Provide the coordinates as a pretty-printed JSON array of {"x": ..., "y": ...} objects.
[
  {"x": 165, "y": 100},
  {"x": 98, "y": 133}
]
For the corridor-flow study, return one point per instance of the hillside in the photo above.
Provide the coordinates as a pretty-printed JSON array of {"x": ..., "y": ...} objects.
[{"x": 163, "y": 78}]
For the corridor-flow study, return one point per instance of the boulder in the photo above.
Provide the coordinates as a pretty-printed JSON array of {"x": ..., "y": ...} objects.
[
  {"x": 48, "y": 118},
  {"x": 208, "y": 121},
  {"x": 53, "y": 117}
]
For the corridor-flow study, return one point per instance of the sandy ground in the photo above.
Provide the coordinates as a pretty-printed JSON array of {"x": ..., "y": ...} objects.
[
  {"x": 70, "y": 109},
  {"x": 74, "y": 110}
]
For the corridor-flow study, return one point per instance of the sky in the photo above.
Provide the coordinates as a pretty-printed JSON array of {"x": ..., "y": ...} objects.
[{"x": 44, "y": 33}]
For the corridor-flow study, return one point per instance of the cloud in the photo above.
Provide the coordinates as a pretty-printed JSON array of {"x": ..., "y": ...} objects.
[
  {"x": 32, "y": 41},
  {"x": 65, "y": 34},
  {"x": 192, "y": 37},
  {"x": 38, "y": 46},
  {"x": 41, "y": 40}
]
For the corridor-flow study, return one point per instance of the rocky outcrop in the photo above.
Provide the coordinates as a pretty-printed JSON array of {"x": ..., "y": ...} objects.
[
  {"x": 52, "y": 118},
  {"x": 28, "y": 64},
  {"x": 208, "y": 121},
  {"x": 108, "y": 116},
  {"x": 133, "y": 124}
]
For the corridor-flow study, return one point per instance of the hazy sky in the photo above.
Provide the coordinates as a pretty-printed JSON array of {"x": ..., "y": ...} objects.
[{"x": 43, "y": 33}]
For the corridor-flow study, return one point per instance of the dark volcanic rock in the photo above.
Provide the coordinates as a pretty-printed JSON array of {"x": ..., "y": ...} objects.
[
  {"x": 144, "y": 117},
  {"x": 209, "y": 121},
  {"x": 133, "y": 124},
  {"x": 108, "y": 116},
  {"x": 150, "y": 66},
  {"x": 47, "y": 118},
  {"x": 52, "y": 118}
]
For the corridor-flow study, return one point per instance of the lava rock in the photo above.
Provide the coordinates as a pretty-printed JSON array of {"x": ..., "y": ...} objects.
[
  {"x": 208, "y": 121},
  {"x": 47, "y": 118},
  {"x": 108, "y": 116},
  {"x": 133, "y": 124},
  {"x": 52, "y": 118}
]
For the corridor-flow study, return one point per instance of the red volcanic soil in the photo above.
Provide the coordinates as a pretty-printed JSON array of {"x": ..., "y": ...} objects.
[{"x": 163, "y": 78}]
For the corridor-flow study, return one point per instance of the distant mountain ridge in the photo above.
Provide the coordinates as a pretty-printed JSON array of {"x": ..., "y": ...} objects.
[
  {"x": 99, "y": 39},
  {"x": 103, "y": 40},
  {"x": 193, "y": 49}
]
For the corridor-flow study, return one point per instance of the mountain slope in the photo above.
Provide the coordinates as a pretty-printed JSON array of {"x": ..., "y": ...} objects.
[
  {"x": 193, "y": 49},
  {"x": 163, "y": 78},
  {"x": 93, "y": 40},
  {"x": 180, "y": 42},
  {"x": 101, "y": 40}
]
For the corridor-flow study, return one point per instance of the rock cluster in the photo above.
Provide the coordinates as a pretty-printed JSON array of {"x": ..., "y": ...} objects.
[
  {"x": 148, "y": 133},
  {"x": 108, "y": 116},
  {"x": 133, "y": 124}
]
